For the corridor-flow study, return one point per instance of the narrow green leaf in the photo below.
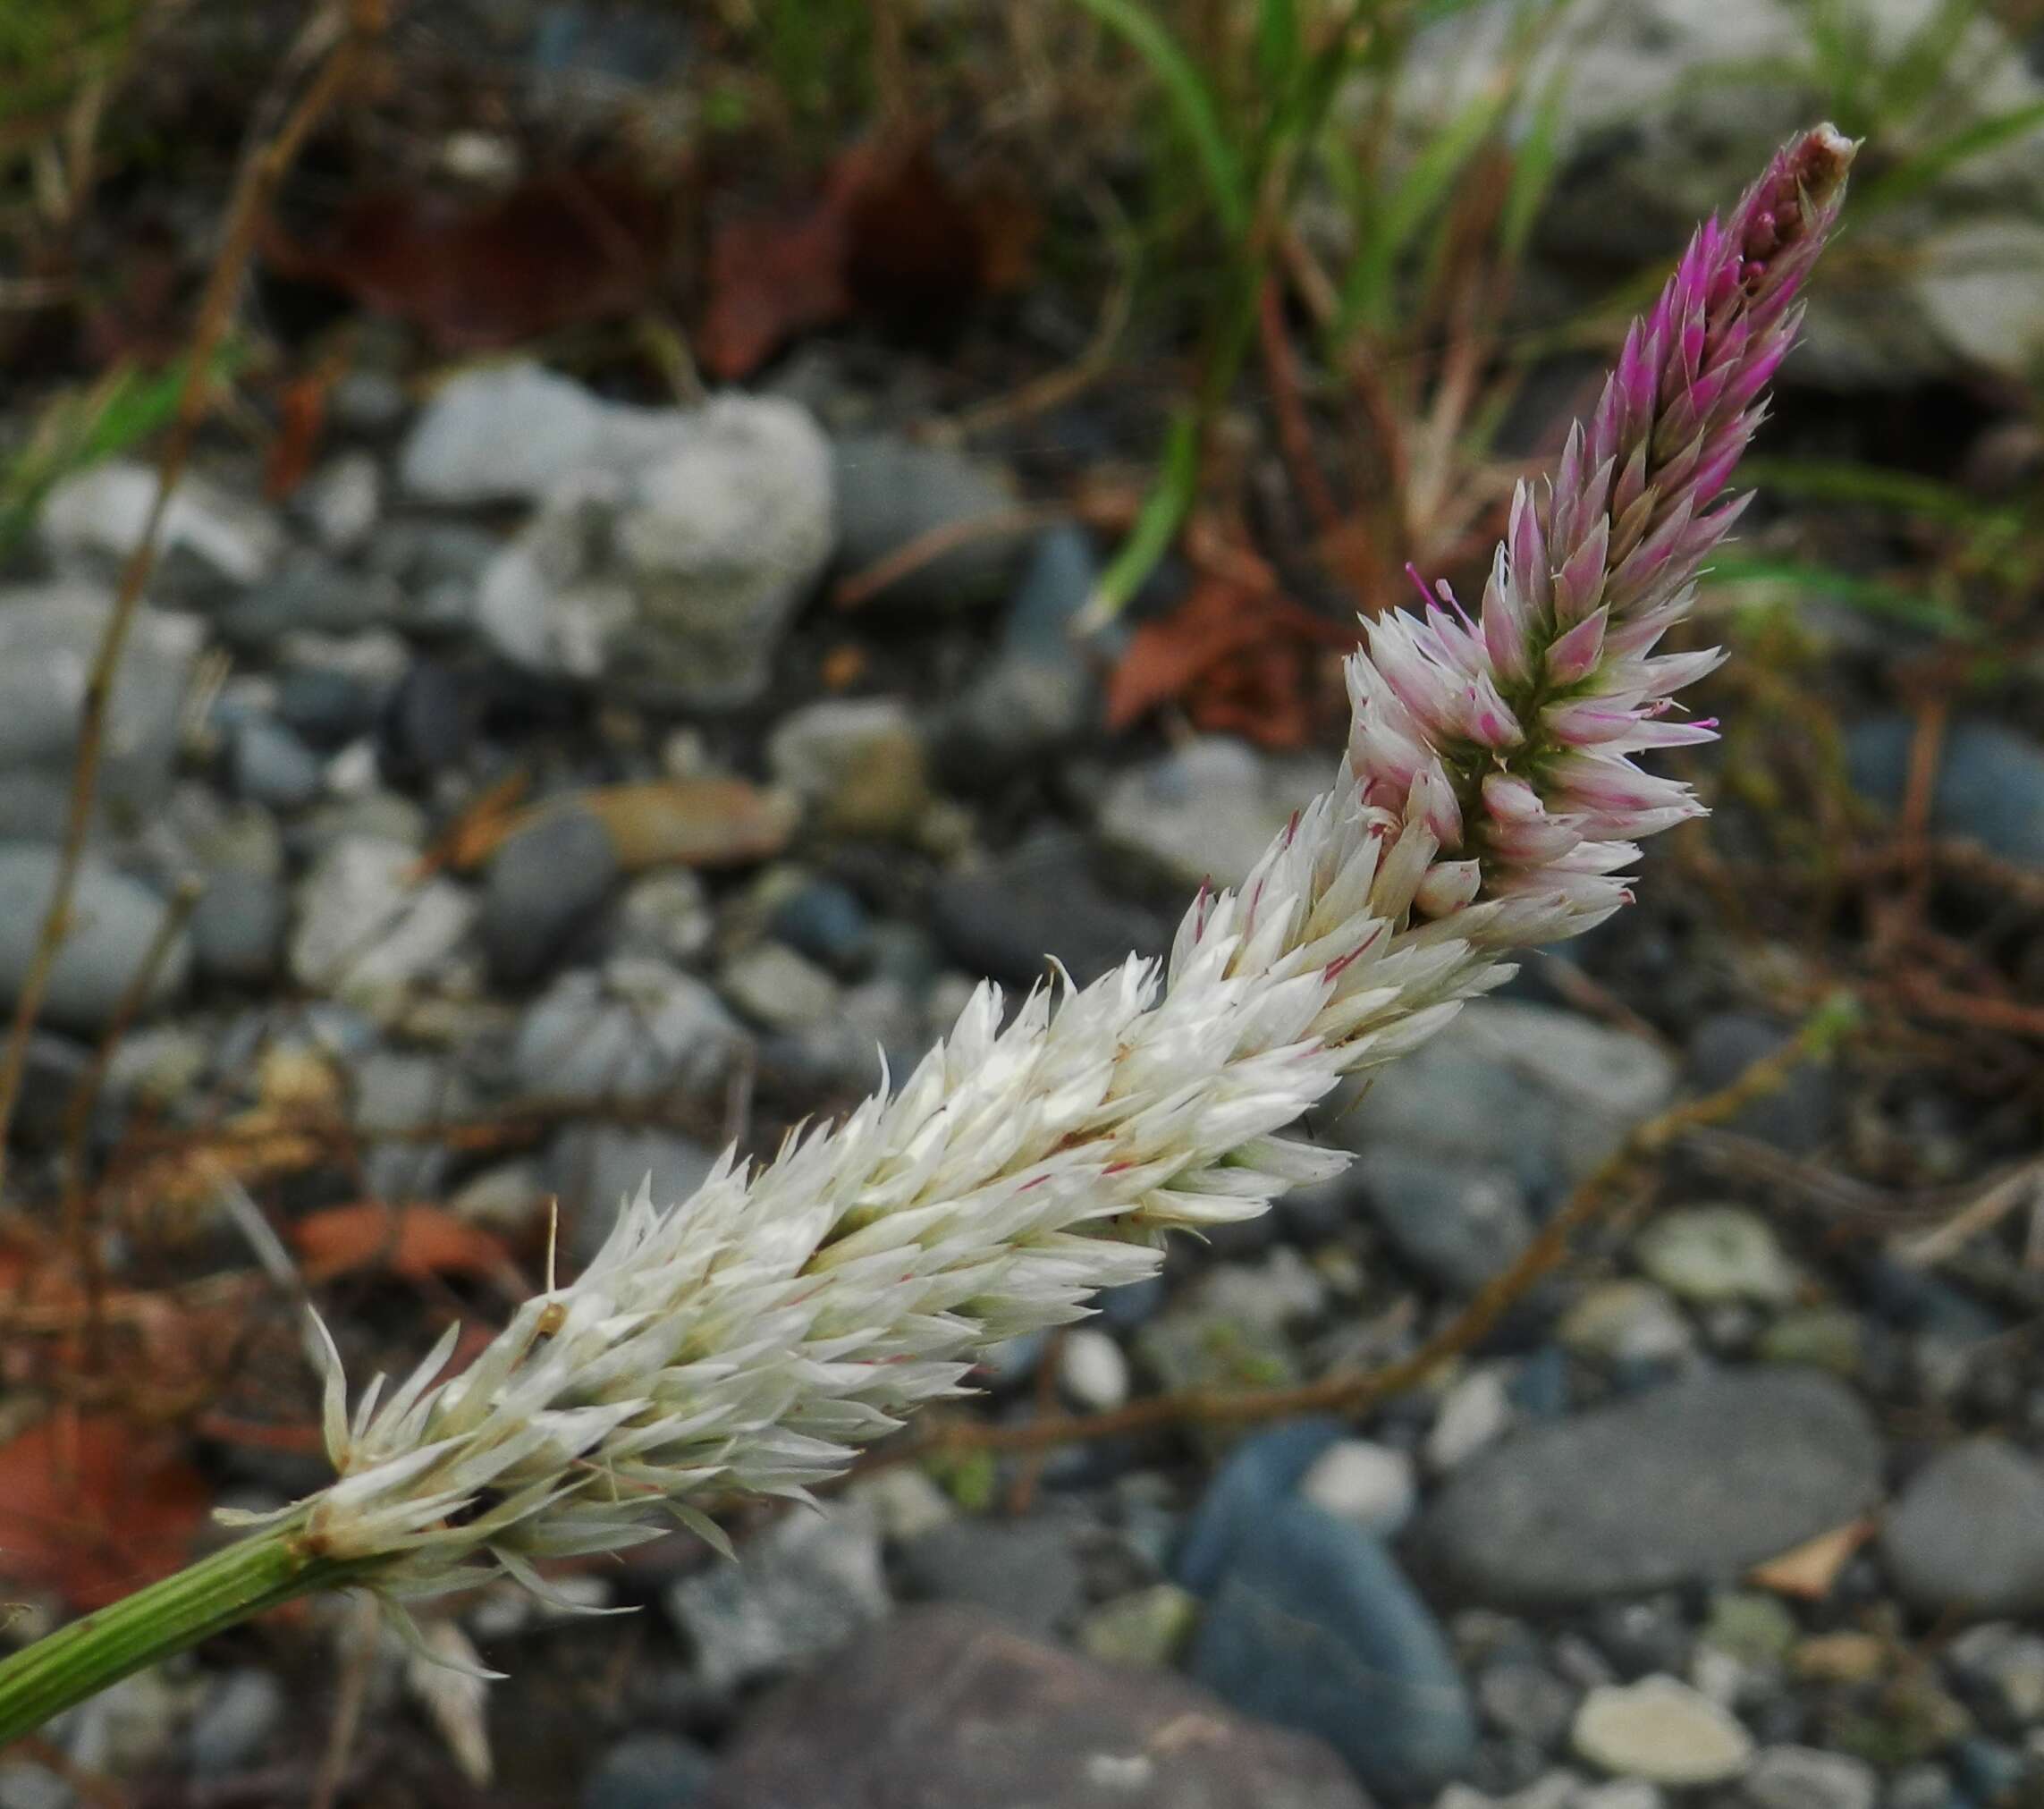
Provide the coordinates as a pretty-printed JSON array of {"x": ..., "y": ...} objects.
[
  {"x": 1193, "y": 104},
  {"x": 1942, "y": 155}
]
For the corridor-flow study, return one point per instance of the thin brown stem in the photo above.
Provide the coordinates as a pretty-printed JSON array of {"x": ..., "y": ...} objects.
[
  {"x": 257, "y": 181},
  {"x": 1349, "y": 1393}
]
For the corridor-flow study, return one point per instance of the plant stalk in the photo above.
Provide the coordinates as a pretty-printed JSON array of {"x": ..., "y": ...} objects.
[{"x": 45, "y": 1678}]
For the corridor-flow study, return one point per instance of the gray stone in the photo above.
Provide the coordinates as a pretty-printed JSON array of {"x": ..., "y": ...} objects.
[
  {"x": 856, "y": 763},
  {"x": 941, "y": 1707},
  {"x": 1527, "y": 1701},
  {"x": 2005, "y": 1664},
  {"x": 238, "y": 928},
  {"x": 1661, "y": 1729},
  {"x": 97, "y": 515},
  {"x": 826, "y": 922},
  {"x": 1042, "y": 902},
  {"x": 240, "y": 1712},
  {"x": 1799, "y": 1115},
  {"x": 368, "y": 928},
  {"x": 1459, "y": 1223},
  {"x": 543, "y": 883},
  {"x": 1967, "y": 1536},
  {"x": 634, "y": 1032},
  {"x": 774, "y": 986},
  {"x": 512, "y": 432},
  {"x": 891, "y": 491},
  {"x": 1989, "y": 787},
  {"x": 1313, "y": 1627},
  {"x": 594, "y": 1168},
  {"x": 273, "y": 767},
  {"x": 308, "y": 593},
  {"x": 1803, "y": 1777},
  {"x": 802, "y": 1588},
  {"x": 1040, "y": 689},
  {"x": 649, "y": 1772},
  {"x": 114, "y": 922},
  {"x": 1024, "y": 1571},
  {"x": 50, "y": 637},
  {"x": 1207, "y": 810},
  {"x": 1539, "y": 1091},
  {"x": 666, "y": 916},
  {"x": 1691, "y": 1482}
]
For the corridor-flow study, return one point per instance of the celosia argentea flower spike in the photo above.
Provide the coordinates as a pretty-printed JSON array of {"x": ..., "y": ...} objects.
[{"x": 748, "y": 1337}]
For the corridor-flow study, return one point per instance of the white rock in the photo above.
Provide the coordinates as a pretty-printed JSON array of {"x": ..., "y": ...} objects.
[
  {"x": 100, "y": 512},
  {"x": 1803, "y": 1777},
  {"x": 904, "y": 1503},
  {"x": 1092, "y": 1370},
  {"x": 775, "y": 986},
  {"x": 1208, "y": 810},
  {"x": 1477, "y": 1410},
  {"x": 1717, "y": 1254},
  {"x": 1626, "y": 1322},
  {"x": 639, "y": 1030},
  {"x": 1370, "y": 1485},
  {"x": 512, "y": 432},
  {"x": 1661, "y": 1730},
  {"x": 367, "y": 928},
  {"x": 343, "y": 500}
]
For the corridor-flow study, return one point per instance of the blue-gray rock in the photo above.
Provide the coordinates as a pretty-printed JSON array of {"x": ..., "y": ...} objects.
[
  {"x": 1694, "y": 1481},
  {"x": 1024, "y": 1571},
  {"x": 326, "y": 707},
  {"x": 826, "y": 921},
  {"x": 942, "y": 1709},
  {"x": 1993, "y": 1771},
  {"x": 48, "y": 638},
  {"x": 235, "y": 1721},
  {"x": 1457, "y": 1223},
  {"x": 1040, "y": 900},
  {"x": 638, "y": 1031},
  {"x": 1040, "y": 690},
  {"x": 802, "y": 1587},
  {"x": 891, "y": 491},
  {"x": 594, "y": 1168},
  {"x": 308, "y": 592},
  {"x": 271, "y": 766},
  {"x": 1541, "y": 1092},
  {"x": 543, "y": 883},
  {"x": 238, "y": 928},
  {"x": 1261, "y": 1475},
  {"x": 1798, "y": 1116},
  {"x": 1313, "y": 1627},
  {"x": 114, "y": 923},
  {"x": 1967, "y": 1536},
  {"x": 1990, "y": 788},
  {"x": 649, "y": 1771}
]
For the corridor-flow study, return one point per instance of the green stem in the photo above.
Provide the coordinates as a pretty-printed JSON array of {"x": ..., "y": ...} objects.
[{"x": 78, "y": 1660}]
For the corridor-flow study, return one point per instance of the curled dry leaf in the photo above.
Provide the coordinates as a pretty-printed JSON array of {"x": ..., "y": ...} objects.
[
  {"x": 565, "y": 247},
  {"x": 890, "y": 237},
  {"x": 413, "y": 1242},
  {"x": 1239, "y": 659}
]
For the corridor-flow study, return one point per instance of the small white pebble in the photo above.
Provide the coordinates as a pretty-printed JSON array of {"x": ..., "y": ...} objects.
[
  {"x": 1368, "y": 1485},
  {"x": 1477, "y": 1410},
  {"x": 1092, "y": 1370}
]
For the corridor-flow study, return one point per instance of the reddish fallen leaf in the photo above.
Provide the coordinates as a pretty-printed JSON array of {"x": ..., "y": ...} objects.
[
  {"x": 301, "y": 417},
  {"x": 413, "y": 1242},
  {"x": 94, "y": 1506},
  {"x": 1238, "y": 660},
  {"x": 566, "y": 247},
  {"x": 890, "y": 237}
]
